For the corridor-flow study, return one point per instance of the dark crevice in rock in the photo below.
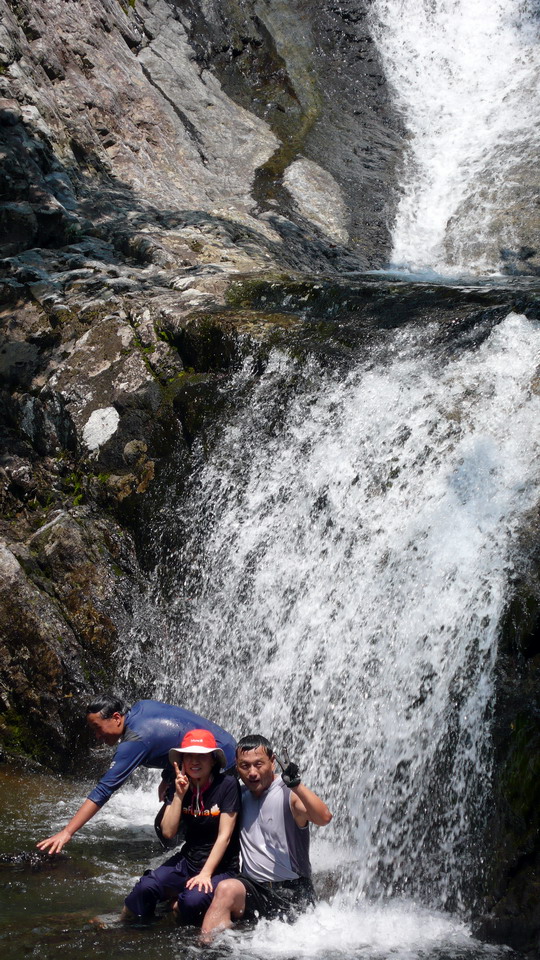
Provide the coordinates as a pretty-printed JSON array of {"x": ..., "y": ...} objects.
[
  {"x": 190, "y": 127},
  {"x": 511, "y": 910}
]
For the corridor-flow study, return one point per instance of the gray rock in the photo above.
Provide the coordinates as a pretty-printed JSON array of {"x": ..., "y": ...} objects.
[
  {"x": 45, "y": 421},
  {"x": 10, "y": 112},
  {"x": 18, "y": 227},
  {"x": 18, "y": 362},
  {"x": 318, "y": 198}
]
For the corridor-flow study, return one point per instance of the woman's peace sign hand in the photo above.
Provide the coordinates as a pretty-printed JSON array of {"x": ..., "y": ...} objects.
[{"x": 181, "y": 782}]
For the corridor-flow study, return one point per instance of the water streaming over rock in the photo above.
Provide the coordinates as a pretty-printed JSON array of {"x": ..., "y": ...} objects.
[
  {"x": 466, "y": 77},
  {"x": 336, "y": 576}
]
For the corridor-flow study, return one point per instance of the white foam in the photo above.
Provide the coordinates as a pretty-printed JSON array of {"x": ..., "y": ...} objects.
[
  {"x": 132, "y": 809},
  {"x": 401, "y": 930}
]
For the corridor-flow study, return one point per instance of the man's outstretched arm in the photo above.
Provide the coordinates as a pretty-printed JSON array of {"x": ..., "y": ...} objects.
[
  {"x": 85, "y": 813},
  {"x": 129, "y": 755}
]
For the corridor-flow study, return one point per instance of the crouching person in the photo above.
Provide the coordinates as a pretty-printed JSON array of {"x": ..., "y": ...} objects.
[
  {"x": 274, "y": 842},
  {"x": 206, "y": 803}
]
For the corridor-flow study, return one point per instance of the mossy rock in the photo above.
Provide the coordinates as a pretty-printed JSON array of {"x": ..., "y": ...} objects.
[{"x": 198, "y": 403}]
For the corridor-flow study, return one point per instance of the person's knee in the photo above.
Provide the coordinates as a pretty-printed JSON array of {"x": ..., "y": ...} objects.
[
  {"x": 192, "y": 905},
  {"x": 230, "y": 895},
  {"x": 224, "y": 892},
  {"x": 144, "y": 896}
]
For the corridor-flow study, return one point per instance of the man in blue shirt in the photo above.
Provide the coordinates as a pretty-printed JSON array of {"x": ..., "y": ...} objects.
[{"x": 145, "y": 734}]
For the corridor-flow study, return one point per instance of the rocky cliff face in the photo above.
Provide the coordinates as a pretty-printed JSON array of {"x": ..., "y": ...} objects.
[
  {"x": 122, "y": 122},
  {"x": 150, "y": 152}
]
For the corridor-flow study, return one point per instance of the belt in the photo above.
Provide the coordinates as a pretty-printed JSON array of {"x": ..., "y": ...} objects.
[{"x": 288, "y": 884}]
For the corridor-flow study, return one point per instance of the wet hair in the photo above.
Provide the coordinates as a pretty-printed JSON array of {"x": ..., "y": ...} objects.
[
  {"x": 252, "y": 742},
  {"x": 218, "y": 765},
  {"x": 106, "y": 706}
]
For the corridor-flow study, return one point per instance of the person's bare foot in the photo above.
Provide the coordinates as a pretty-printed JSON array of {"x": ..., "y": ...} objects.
[
  {"x": 103, "y": 923},
  {"x": 126, "y": 915}
]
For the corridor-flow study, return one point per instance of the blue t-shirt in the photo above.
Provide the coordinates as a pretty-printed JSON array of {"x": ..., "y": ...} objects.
[{"x": 151, "y": 729}]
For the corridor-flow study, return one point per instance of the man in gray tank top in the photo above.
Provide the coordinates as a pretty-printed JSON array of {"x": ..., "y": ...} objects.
[{"x": 274, "y": 841}]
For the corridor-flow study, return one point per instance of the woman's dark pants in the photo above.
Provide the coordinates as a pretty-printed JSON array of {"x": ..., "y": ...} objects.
[{"x": 168, "y": 882}]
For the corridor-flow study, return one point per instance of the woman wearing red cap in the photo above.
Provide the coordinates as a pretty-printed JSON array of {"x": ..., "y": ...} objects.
[{"x": 205, "y": 804}]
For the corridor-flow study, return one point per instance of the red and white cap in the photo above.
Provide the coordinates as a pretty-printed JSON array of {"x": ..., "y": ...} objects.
[{"x": 197, "y": 741}]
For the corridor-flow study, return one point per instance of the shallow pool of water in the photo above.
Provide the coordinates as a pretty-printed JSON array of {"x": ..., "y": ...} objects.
[{"x": 50, "y": 906}]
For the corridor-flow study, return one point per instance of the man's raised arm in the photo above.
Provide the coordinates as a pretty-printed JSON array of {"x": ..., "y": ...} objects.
[{"x": 306, "y": 806}]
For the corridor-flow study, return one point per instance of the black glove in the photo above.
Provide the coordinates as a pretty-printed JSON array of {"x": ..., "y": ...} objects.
[{"x": 291, "y": 774}]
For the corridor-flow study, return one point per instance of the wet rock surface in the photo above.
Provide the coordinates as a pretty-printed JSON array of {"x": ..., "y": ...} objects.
[
  {"x": 512, "y": 910},
  {"x": 153, "y": 126}
]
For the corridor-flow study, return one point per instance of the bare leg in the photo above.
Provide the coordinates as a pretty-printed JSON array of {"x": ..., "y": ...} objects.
[
  {"x": 127, "y": 914},
  {"x": 228, "y": 904}
]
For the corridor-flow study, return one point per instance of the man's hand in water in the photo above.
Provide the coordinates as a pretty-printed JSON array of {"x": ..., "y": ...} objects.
[
  {"x": 85, "y": 813},
  {"x": 55, "y": 844}
]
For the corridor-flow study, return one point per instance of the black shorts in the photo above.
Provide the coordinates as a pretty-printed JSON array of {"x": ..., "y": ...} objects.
[{"x": 281, "y": 898}]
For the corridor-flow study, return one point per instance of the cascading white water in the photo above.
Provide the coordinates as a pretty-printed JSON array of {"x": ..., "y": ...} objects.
[
  {"x": 340, "y": 570},
  {"x": 466, "y": 77}
]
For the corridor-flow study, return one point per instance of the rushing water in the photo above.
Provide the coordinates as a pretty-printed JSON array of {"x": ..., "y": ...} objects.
[
  {"x": 334, "y": 577},
  {"x": 465, "y": 74}
]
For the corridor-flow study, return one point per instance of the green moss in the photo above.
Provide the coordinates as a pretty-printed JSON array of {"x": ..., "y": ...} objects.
[
  {"x": 249, "y": 291},
  {"x": 521, "y": 778},
  {"x": 177, "y": 383},
  {"x": 73, "y": 486},
  {"x": 146, "y": 353},
  {"x": 73, "y": 233},
  {"x": 19, "y": 738},
  {"x": 94, "y": 314},
  {"x": 268, "y": 177}
]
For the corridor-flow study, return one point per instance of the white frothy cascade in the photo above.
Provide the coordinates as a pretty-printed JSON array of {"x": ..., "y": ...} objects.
[
  {"x": 465, "y": 74},
  {"x": 337, "y": 577}
]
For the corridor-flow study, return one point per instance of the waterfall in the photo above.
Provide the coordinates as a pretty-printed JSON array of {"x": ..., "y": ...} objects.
[
  {"x": 465, "y": 76},
  {"x": 335, "y": 579}
]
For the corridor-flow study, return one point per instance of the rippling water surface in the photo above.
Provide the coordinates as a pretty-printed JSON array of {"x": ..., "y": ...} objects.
[{"x": 50, "y": 909}]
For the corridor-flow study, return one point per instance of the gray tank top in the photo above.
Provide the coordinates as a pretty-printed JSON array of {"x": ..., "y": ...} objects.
[{"x": 273, "y": 846}]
